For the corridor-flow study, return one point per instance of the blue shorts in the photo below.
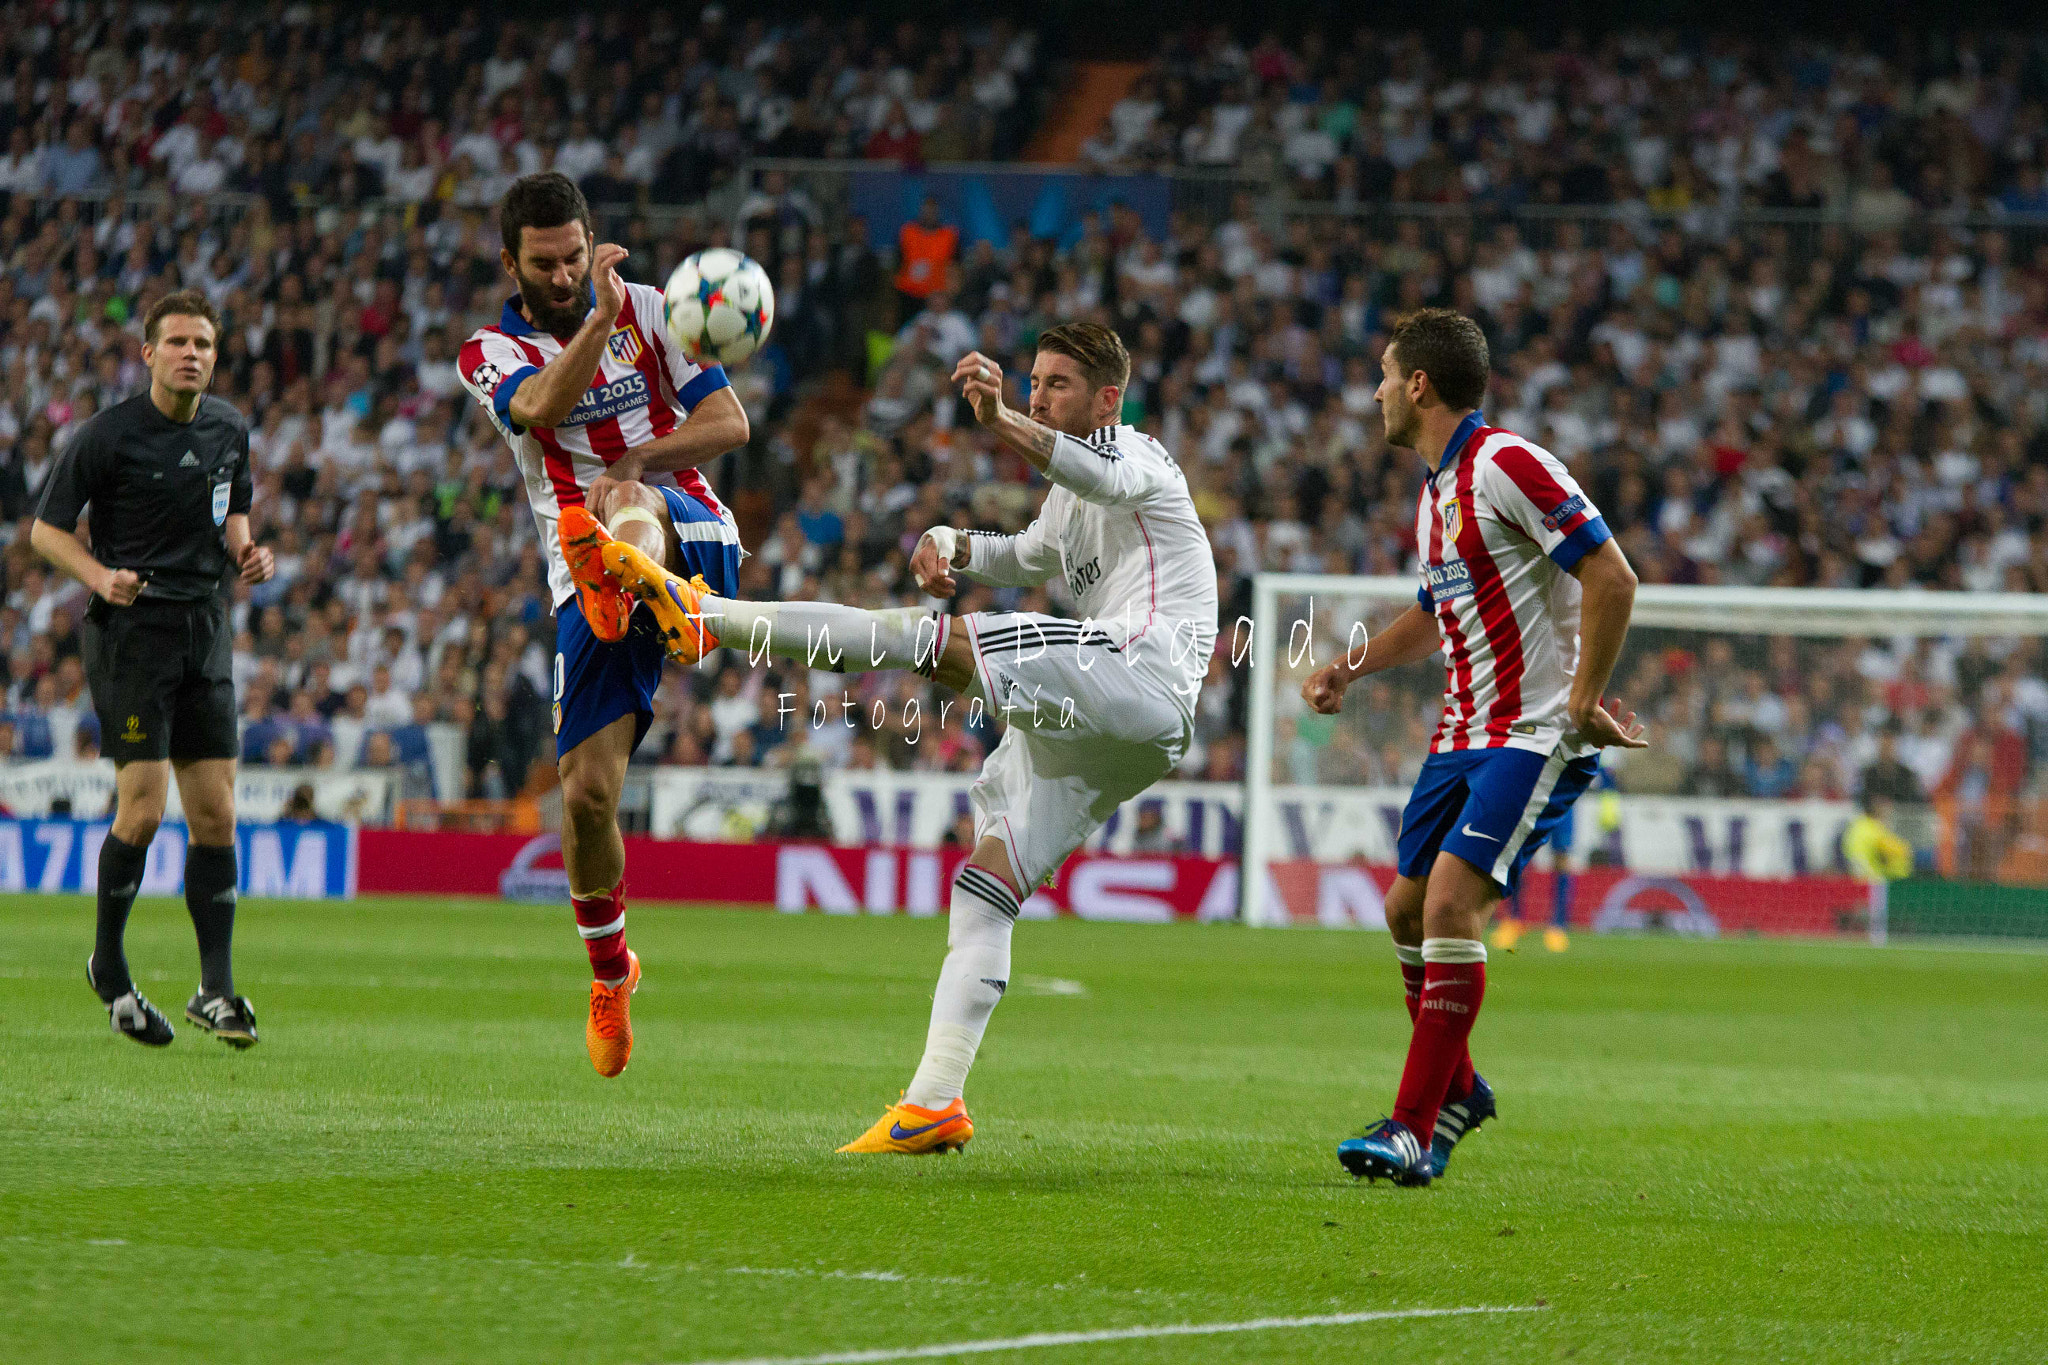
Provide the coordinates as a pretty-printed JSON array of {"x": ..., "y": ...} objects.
[
  {"x": 1491, "y": 807},
  {"x": 595, "y": 682},
  {"x": 1561, "y": 833}
]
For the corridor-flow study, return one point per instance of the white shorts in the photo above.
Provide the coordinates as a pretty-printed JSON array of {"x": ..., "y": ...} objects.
[{"x": 1088, "y": 730}]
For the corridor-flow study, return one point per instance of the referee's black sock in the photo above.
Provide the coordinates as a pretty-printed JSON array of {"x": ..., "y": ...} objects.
[
  {"x": 210, "y": 896},
  {"x": 120, "y": 878}
]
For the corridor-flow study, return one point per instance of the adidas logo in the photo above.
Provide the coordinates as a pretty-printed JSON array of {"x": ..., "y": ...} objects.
[{"x": 190, "y": 461}]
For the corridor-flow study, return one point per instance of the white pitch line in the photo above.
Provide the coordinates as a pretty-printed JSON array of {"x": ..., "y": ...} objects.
[{"x": 1174, "y": 1329}]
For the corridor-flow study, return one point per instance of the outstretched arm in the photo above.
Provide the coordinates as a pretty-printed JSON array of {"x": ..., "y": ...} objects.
[
  {"x": 1023, "y": 560},
  {"x": 1413, "y": 636}
]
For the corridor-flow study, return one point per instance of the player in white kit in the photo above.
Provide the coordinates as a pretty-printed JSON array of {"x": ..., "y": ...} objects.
[{"x": 1098, "y": 709}]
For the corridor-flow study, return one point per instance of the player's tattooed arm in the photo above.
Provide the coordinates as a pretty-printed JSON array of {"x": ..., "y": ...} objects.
[
  {"x": 1038, "y": 442},
  {"x": 981, "y": 382}
]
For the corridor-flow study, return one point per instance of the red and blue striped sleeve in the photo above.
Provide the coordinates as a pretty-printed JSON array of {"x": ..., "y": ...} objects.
[
  {"x": 1530, "y": 490},
  {"x": 492, "y": 367}
]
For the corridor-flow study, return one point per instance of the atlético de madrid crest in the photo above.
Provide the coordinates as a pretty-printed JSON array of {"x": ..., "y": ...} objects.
[
  {"x": 624, "y": 344},
  {"x": 1454, "y": 519}
]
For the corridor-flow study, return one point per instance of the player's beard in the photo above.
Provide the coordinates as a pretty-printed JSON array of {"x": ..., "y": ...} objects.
[
  {"x": 1400, "y": 425},
  {"x": 549, "y": 311}
]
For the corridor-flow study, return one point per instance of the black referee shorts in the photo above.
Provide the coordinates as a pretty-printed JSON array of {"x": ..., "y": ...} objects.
[{"x": 162, "y": 679}]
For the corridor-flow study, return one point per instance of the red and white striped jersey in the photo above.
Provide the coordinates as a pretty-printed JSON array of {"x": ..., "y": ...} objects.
[
  {"x": 1498, "y": 527},
  {"x": 643, "y": 387}
]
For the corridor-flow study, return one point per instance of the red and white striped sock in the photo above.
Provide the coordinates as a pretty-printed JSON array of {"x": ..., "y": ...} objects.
[
  {"x": 1454, "y": 984},
  {"x": 601, "y": 920},
  {"x": 1411, "y": 982}
]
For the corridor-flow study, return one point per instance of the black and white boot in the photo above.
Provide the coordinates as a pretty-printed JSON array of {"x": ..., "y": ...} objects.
[
  {"x": 230, "y": 1018},
  {"x": 133, "y": 1015}
]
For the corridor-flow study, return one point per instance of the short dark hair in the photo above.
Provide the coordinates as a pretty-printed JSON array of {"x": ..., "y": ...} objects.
[
  {"x": 185, "y": 303},
  {"x": 1096, "y": 349},
  {"x": 544, "y": 199},
  {"x": 1448, "y": 347}
]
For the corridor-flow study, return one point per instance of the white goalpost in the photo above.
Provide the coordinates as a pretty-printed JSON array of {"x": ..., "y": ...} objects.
[{"x": 1840, "y": 668}]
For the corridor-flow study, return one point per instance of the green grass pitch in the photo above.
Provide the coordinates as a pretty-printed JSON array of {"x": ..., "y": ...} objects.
[{"x": 1738, "y": 1151}]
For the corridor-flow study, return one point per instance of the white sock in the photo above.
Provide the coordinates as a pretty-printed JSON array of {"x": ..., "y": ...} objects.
[
  {"x": 828, "y": 635},
  {"x": 1453, "y": 950},
  {"x": 976, "y": 974}
]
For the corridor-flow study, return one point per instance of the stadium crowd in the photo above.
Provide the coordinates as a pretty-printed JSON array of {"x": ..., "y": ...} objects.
[
  {"x": 1859, "y": 404},
  {"x": 1935, "y": 123},
  {"x": 312, "y": 105}
]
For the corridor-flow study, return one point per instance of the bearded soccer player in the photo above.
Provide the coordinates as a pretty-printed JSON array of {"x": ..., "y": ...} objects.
[
  {"x": 608, "y": 424},
  {"x": 1098, "y": 709},
  {"x": 1528, "y": 598}
]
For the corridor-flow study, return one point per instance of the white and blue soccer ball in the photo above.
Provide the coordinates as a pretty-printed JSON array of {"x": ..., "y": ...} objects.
[{"x": 719, "y": 306}]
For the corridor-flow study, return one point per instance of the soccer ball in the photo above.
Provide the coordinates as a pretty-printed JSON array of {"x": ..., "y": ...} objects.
[{"x": 719, "y": 306}]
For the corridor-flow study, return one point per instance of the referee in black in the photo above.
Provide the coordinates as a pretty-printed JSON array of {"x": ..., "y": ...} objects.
[{"x": 166, "y": 474}]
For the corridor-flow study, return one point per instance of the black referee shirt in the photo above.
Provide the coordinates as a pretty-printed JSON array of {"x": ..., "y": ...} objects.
[{"x": 161, "y": 492}]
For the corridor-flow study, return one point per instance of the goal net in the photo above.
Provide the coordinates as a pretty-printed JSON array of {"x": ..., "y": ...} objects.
[{"x": 1821, "y": 763}]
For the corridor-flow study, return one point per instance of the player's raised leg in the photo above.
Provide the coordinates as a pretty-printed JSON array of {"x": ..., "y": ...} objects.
[
  {"x": 819, "y": 634},
  {"x": 607, "y": 607}
]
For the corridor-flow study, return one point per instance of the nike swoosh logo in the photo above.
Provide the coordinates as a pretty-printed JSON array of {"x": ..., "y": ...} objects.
[
  {"x": 1490, "y": 838},
  {"x": 1453, "y": 981},
  {"x": 899, "y": 1133}
]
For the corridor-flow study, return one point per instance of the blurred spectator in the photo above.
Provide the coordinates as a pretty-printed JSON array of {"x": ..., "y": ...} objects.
[
  {"x": 1712, "y": 774},
  {"x": 925, "y": 248},
  {"x": 1768, "y": 772},
  {"x": 1887, "y": 778}
]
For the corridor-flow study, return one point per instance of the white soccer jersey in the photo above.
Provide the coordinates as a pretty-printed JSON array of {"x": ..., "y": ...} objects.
[
  {"x": 642, "y": 388},
  {"x": 1499, "y": 526},
  {"x": 1120, "y": 527}
]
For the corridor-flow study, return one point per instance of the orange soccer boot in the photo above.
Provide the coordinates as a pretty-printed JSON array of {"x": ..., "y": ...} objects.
[
  {"x": 908, "y": 1130},
  {"x": 609, "y": 1034},
  {"x": 607, "y": 607},
  {"x": 677, "y": 602}
]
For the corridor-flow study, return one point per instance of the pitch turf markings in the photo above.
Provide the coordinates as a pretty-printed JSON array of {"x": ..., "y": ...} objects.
[
  {"x": 881, "y": 1276},
  {"x": 1171, "y": 1329}
]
